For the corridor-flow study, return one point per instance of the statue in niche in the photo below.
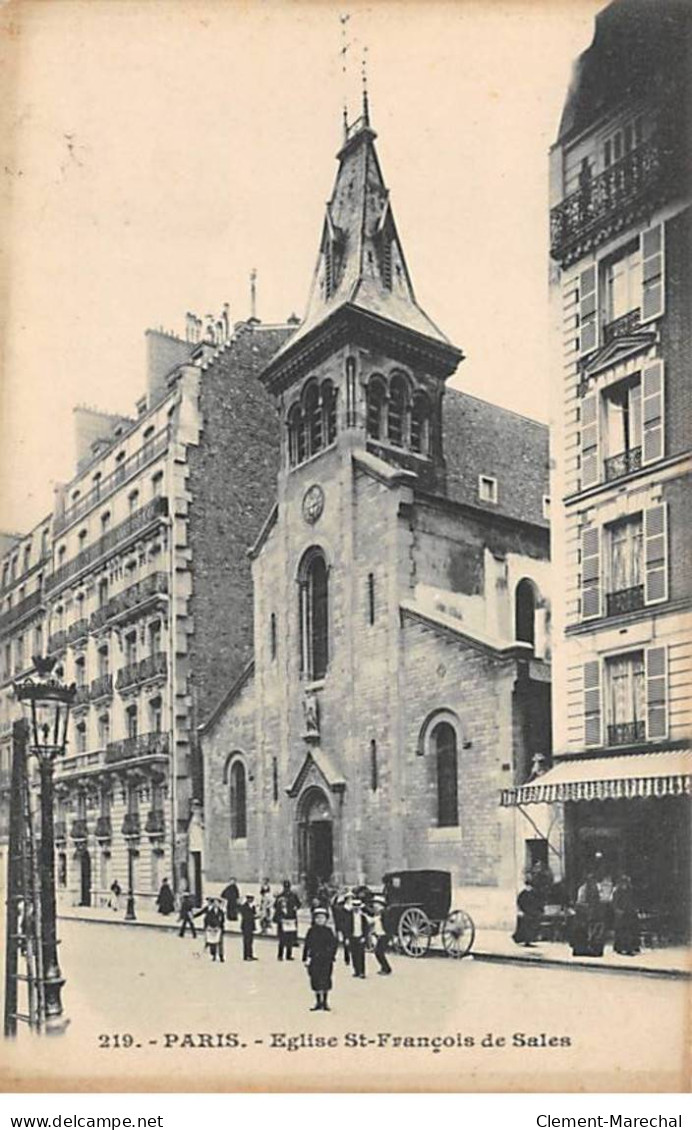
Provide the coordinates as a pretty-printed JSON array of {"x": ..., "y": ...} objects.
[{"x": 311, "y": 714}]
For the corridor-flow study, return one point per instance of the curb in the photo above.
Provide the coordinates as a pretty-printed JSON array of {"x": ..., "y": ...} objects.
[{"x": 476, "y": 955}]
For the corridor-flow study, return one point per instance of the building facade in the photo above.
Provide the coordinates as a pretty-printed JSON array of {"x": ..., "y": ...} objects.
[
  {"x": 621, "y": 237},
  {"x": 400, "y": 672},
  {"x": 141, "y": 595}
]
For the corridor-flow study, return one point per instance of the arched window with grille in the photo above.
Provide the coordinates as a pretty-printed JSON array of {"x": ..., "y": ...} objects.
[
  {"x": 444, "y": 744},
  {"x": 296, "y": 436},
  {"x": 525, "y": 612},
  {"x": 396, "y": 413},
  {"x": 420, "y": 424},
  {"x": 313, "y": 418},
  {"x": 376, "y": 400},
  {"x": 314, "y": 614},
  {"x": 238, "y": 800}
]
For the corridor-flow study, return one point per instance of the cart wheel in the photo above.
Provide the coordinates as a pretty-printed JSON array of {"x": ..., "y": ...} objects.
[
  {"x": 414, "y": 932},
  {"x": 458, "y": 932}
]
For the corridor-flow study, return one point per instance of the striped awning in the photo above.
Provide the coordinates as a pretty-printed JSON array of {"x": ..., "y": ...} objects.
[{"x": 619, "y": 777}]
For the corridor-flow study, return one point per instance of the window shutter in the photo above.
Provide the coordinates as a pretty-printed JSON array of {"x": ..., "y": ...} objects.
[
  {"x": 590, "y": 573},
  {"x": 653, "y": 286},
  {"x": 653, "y": 412},
  {"x": 588, "y": 310},
  {"x": 656, "y": 693},
  {"x": 590, "y": 459},
  {"x": 656, "y": 553},
  {"x": 592, "y": 703}
]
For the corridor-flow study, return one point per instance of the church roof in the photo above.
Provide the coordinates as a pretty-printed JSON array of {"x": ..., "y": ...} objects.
[{"x": 361, "y": 263}]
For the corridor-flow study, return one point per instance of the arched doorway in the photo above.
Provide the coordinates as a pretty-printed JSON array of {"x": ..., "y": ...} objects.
[
  {"x": 315, "y": 839},
  {"x": 85, "y": 878}
]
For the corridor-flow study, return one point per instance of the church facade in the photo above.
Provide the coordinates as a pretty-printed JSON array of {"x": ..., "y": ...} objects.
[{"x": 400, "y": 676}]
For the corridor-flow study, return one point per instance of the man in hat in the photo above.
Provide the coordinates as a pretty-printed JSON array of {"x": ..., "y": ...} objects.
[
  {"x": 381, "y": 934},
  {"x": 286, "y": 919},
  {"x": 355, "y": 928},
  {"x": 213, "y": 920},
  {"x": 248, "y": 918},
  {"x": 319, "y": 952}
]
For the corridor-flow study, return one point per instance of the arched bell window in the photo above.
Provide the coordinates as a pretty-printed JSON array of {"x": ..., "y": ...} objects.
[
  {"x": 314, "y": 615},
  {"x": 296, "y": 436},
  {"x": 376, "y": 400},
  {"x": 420, "y": 424},
  {"x": 396, "y": 413},
  {"x": 328, "y": 393},
  {"x": 238, "y": 800},
  {"x": 444, "y": 744},
  {"x": 525, "y": 612},
  {"x": 313, "y": 418}
]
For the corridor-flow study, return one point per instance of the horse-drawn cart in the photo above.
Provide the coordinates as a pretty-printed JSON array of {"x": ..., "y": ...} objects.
[{"x": 418, "y": 907}]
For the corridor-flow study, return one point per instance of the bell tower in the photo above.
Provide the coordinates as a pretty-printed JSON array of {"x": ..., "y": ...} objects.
[{"x": 367, "y": 366}]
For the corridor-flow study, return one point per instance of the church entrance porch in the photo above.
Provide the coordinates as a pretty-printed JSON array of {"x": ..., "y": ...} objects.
[{"x": 315, "y": 840}]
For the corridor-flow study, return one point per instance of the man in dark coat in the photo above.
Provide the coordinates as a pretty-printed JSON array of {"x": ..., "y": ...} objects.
[
  {"x": 319, "y": 952},
  {"x": 286, "y": 919},
  {"x": 248, "y": 918},
  {"x": 231, "y": 896},
  {"x": 355, "y": 927},
  {"x": 186, "y": 908},
  {"x": 214, "y": 922},
  {"x": 626, "y": 940},
  {"x": 165, "y": 902}
]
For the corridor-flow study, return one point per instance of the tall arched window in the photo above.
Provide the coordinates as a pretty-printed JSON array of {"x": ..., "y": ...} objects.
[
  {"x": 420, "y": 424},
  {"x": 313, "y": 418},
  {"x": 444, "y": 743},
  {"x": 314, "y": 615},
  {"x": 329, "y": 411},
  {"x": 296, "y": 436},
  {"x": 396, "y": 414},
  {"x": 376, "y": 397},
  {"x": 525, "y": 612},
  {"x": 238, "y": 798}
]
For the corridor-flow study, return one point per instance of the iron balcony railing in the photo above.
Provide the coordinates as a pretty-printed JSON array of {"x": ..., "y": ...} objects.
[
  {"x": 589, "y": 213},
  {"x": 79, "y": 630},
  {"x": 621, "y": 326},
  {"x": 129, "y": 467},
  {"x": 626, "y": 733},
  {"x": 131, "y": 598},
  {"x": 623, "y": 463},
  {"x": 57, "y": 642},
  {"x": 132, "y": 827},
  {"x": 60, "y": 831},
  {"x": 625, "y": 600},
  {"x": 152, "y": 667},
  {"x": 155, "y": 509},
  {"x": 29, "y": 604},
  {"x": 104, "y": 828},
  {"x": 81, "y": 696},
  {"x": 155, "y": 823},
  {"x": 142, "y": 745},
  {"x": 79, "y": 830},
  {"x": 102, "y": 687}
]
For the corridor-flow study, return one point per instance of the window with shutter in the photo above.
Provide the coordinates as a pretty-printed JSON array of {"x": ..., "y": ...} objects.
[
  {"x": 590, "y": 573},
  {"x": 653, "y": 412},
  {"x": 592, "y": 703},
  {"x": 656, "y": 553},
  {"x": 653, "y": 287},
  {"x": 590, "y": 454},
  {"x": 656, "y": 693},
  {"x": 588, "y": 310}
]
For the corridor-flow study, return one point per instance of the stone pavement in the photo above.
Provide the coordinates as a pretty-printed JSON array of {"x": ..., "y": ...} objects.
[{"x": 490, "y": 944}]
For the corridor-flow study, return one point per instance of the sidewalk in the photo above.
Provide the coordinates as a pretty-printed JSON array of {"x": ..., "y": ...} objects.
[{"x": 490, "y": 945}]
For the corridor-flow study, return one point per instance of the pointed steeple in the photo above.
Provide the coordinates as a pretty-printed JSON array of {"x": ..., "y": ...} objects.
[{"x": 361, "y": 267}]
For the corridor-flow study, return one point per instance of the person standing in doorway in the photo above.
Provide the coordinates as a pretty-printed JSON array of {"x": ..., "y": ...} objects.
[
  {"x": 231, "y": 896},
  {"x": 286, "y": 919},
  {"x": 248, "y": 919},
  {"x": 319, "y": 952}
]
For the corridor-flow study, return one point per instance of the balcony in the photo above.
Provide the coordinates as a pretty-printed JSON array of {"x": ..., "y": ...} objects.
[
  {"x": 152, "y": 667},
  {"x": 623, "y": 464},
  {"x": 606, "y": 204},
  {"x": 155, "y": 826},
  {"x": 97, "y": 494},
  {"x": 103, "y": 831},
  {"x": 131, "y": 828},
  {"x": 625, "y": 600},
  {"x": 142, "y": 745},
  {"x": 57, "y": 642},
  {"x": 31, "y": 603},
  {"x": 81, "y": 697},
  {"x": 109, "y": 542},
  {"x": 101, "y": 687},
  {"x": 621, "y": 326},
  {"x": 60, "y": 831},
  {"x": 78, "y": 631},
  {"x": 626, "y": 733},
  {"x": 79, "y": 831},
  {"x": 132, "y": 599}
]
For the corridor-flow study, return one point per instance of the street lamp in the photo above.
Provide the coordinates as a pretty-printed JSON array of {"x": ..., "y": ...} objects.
[{"x": 46, "y": 703}]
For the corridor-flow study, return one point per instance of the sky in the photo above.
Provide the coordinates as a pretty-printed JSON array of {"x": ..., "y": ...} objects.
[{"x": 155, "y": 153}]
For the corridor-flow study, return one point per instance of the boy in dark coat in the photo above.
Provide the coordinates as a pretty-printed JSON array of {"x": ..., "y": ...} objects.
[
  {"x": 248, "y": 918},
  {"x": 319, "y": 952}
]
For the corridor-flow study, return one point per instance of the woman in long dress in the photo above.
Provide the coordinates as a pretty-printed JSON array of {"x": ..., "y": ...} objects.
[
  {"x": 165, "y": 901},
  {"x": 319, "y": 952}
]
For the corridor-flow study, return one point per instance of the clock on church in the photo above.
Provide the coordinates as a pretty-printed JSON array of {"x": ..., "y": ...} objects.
[{"x": 313, "y": 503}]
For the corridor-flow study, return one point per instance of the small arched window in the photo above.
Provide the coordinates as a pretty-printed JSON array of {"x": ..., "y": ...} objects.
[
  {"x": 420, "y": 424},
  {"x": 396, "y": 415},
  {"x": 238, "y": 799},
  {"x": 314, "y": 615},
  {"x": 525, "y": 612},
  {"x": 329, "y": 411},
  {"x": 444, "y": 744},
  {"x": 376, "y": 397},
  {"x": 296, "y": 436},
  {"x": 313, "y": 418}
]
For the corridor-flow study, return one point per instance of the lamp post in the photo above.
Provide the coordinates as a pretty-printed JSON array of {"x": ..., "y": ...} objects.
[{"x": 46, "y": 702}]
